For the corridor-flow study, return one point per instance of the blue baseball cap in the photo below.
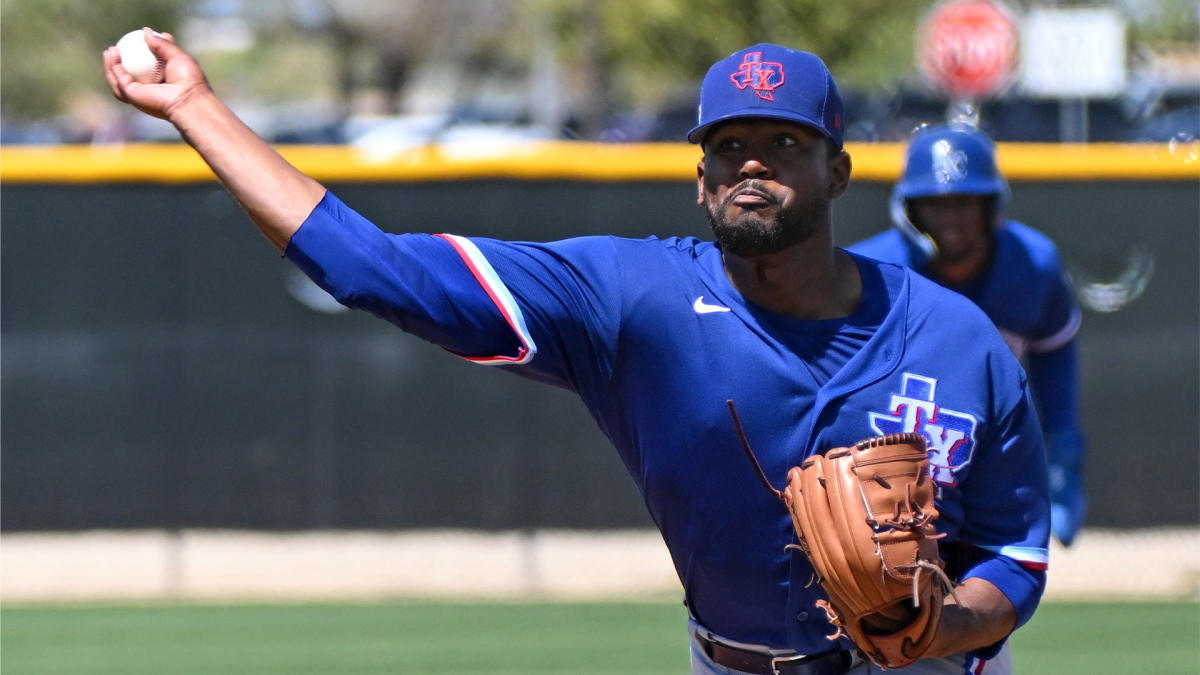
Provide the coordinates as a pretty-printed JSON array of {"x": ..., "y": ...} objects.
[{"x": 768, "y": 80}]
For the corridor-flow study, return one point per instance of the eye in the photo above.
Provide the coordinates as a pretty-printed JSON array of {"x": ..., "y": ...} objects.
[
  {"x": 786, "y": 140},
  {"x": 728, "y": 143}
]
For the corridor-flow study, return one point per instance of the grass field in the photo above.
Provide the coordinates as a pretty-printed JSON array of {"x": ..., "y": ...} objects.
[{"x": 511, "y": 638}]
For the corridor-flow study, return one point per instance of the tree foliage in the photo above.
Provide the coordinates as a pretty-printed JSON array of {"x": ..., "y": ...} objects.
[
  {"x": 50, "y": 49},
  {"x": 605, "y": 56},
  {"x": 651, "y": 54}
]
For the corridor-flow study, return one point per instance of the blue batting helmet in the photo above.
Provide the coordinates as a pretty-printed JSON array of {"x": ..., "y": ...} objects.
[{"x": 956, "y": 159}]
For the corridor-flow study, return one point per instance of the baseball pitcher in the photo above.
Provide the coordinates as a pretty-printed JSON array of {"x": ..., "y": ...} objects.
[{"x": 904, "y": 387}]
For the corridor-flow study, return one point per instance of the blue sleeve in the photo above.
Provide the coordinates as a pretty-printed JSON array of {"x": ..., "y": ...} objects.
[
  {"x": 1054, "y": 378},
  {"x": 421, "y": 283},
  {"x": 1023, "y": 587},
  {"x": 1010, "y": 511},
  {"x": 1006, "y": 539},
  {"x": 1055, "y": 381},
  {"x": 1058, "y": 316},
  {"x": 551, "y": 310},
  {"x": 570, "y": 294}
]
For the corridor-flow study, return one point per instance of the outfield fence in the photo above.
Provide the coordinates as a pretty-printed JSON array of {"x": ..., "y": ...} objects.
[{"x": 185, "y": 417}]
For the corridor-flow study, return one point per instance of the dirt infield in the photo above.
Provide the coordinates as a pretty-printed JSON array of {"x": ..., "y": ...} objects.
[{"x": 238, "y": 566}]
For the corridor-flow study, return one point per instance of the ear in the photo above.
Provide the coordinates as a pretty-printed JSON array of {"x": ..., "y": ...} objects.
[
  {"x": 700, "y": 182},
  {"x": 839, "y": 174}
]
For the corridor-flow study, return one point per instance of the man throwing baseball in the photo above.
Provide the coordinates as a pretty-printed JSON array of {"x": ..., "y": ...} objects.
[
  {"x": 949, "y": 224},
  {"x": 816, "y": 348}
]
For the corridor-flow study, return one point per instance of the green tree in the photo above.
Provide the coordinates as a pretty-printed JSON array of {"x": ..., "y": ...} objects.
[
  {"x": 594, "y": 58},
  {"x": 50, "y": 49},
  {"x": 642, "y": 53}
]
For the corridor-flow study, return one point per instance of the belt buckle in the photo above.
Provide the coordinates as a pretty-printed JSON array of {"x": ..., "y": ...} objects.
[{"x": 776, "y": 660}]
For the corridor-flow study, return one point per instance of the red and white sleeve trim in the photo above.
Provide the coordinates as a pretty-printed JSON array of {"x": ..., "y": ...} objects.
[
  {"x": 1062, "y": 337},
  {"x": 498, "y": 292},
  {"x": 1029, "y": 557}
]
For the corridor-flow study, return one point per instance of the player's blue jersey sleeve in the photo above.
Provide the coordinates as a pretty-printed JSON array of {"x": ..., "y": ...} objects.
[
  {"x": 1027, "y": 292},
  {"x": 1054, "y": 378},
  {"x": 570, "y": 294},
  {"x": 424, "y": 284},
  {"x": 1011, "y": 479},
  {"x": 550, "y": 310}
]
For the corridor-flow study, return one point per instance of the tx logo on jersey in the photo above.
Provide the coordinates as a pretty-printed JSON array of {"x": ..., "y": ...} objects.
[
  {"x": 761, "y": 76},
  {"x": 949, "y": 434}
]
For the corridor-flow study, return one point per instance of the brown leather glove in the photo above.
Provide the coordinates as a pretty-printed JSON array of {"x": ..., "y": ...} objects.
[{"x": 864, "y": 517}]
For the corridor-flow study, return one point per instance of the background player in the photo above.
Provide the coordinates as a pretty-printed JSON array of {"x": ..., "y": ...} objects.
[
  {"x": 948, "y": 212},
  {"x": 818, "y": 348}
]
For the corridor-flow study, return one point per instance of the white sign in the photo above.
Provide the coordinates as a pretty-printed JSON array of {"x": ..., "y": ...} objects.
[{"x": 1073, "y": 53}]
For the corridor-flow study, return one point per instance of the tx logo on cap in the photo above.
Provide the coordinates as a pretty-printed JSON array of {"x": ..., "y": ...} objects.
[{"x": 762, "y": 76}]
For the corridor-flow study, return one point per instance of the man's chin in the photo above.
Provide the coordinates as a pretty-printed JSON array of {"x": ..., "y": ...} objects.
[
  {"x": 752, "y": 233},
  {"x": 749, "y": 244}
]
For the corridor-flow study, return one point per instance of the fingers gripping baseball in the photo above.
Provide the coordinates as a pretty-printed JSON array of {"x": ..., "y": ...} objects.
[{"x": 182, "y": 77}]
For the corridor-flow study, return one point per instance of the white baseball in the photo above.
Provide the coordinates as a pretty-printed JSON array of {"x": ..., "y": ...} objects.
[{"x": 137, "y": 58}]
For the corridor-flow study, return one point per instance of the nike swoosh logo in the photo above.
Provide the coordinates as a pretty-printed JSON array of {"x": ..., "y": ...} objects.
[{"x": 703, "y": 307}]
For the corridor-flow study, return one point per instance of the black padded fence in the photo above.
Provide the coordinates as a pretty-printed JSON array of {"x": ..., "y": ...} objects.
[{"x": 163, "y": 367}]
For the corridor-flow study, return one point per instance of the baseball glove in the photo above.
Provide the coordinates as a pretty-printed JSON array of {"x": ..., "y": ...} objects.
[{"x": 864, "y": 517}]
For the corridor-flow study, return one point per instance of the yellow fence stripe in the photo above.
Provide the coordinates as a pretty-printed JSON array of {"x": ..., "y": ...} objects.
[{"x": 565, "y": 160}]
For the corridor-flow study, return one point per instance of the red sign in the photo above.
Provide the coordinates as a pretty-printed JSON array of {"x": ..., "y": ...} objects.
[{"x": 968, "y": 47}]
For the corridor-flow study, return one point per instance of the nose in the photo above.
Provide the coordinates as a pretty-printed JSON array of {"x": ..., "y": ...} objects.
[{"x": 753, "y": 167}]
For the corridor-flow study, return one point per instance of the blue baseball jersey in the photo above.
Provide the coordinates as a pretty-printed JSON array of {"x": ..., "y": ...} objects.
[
  {"x": 1024, "y": 291},
  {"x": 1026, "y": 294},
  {"x": 654, "y": 339}
]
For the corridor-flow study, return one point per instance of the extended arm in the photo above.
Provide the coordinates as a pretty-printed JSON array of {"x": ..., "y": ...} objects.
[{"x": 276, "y": 195}]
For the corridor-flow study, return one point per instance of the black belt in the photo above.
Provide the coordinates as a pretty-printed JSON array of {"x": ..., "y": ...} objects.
[{"x": 835, "y": 662}]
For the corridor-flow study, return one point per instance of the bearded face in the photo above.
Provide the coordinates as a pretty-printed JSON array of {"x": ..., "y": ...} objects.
[
  {"x": 768, "y": 185},
  {"x": 748, "y": 232}
]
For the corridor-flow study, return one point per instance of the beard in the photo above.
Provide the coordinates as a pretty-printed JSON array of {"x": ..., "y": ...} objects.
[{"x": 753, "y": 234}]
